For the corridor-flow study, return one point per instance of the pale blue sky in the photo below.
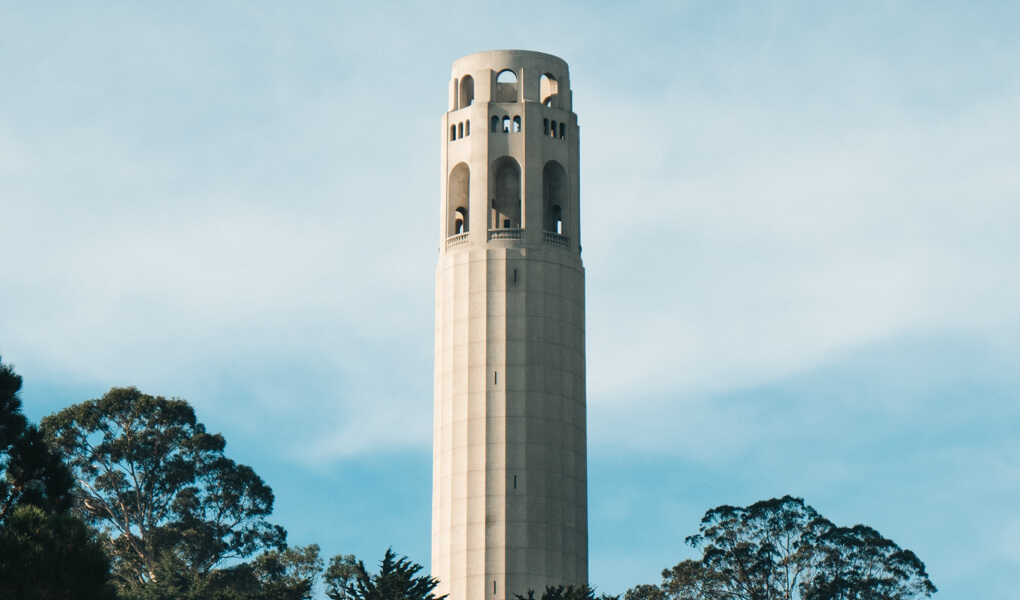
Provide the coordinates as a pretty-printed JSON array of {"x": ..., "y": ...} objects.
[{"x": 800, "y": 233}]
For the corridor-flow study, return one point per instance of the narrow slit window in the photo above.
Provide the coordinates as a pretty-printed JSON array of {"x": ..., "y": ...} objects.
[
  {"x": 495, "y": 378},
  {"x": 506, "y": 124},
  {"x": 453, "y": 132},
  {"x": 517, "y": 124},
  {"x": 563, "y": 130},
  {"x": 553, "y": 129},
  {"x": 515, "y": 275},
  {"x": 467, "y": 127},
  {"x": 545, "y": 126},
  {"x": 460, "y": 130},
  {"x": 515, "y": 482},
  {"x": 495, "y": 123}
]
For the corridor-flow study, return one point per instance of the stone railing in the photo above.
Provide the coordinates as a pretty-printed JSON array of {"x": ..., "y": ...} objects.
[
  {"x": 456, "y": 240},
  {"x": 506, "y": 234},
  {"x": 557, "y": 239}
]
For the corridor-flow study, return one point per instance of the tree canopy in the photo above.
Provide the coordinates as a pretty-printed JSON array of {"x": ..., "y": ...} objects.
[
  {"x": 397, "y": 579},
  {"x": 150, "y": 476},
  {"x": 45, "y": 552},
  {"x": 32, "y": 472},
  {"x": 783, "y": 549},
  {"x": 567, "y": 592}
]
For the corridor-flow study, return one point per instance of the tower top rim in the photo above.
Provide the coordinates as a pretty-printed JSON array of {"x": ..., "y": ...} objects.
[{"x": 508, "y": 58}]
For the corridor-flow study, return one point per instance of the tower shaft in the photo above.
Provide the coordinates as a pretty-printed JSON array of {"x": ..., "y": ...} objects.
[{"x": 509, "y": 457}]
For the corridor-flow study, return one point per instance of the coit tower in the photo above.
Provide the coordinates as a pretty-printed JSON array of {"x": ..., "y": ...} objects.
[{"x": 509, "y": 501}]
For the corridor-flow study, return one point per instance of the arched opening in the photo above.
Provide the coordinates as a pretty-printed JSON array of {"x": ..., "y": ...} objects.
[
  {"x": 517, "y": 124},
  {"x": 453, "y": 132},
  {"x": 458, "y": 200},
  {"x": 467, "y": 91},
  {"x": 467, "y": 127},
  {"x": 506, "y": 124},
  {"x": 545, "y": 126},
  {"x": 548, "y": 87},
  {"x": 506, "y": 86},
  {"x": 495, "y": 123},
  {"x": 554, "y": 196},
  {"x": 505, "y": 186},
  {"x": 563, "y": 130},
  {"x": 460, "y": 130},
  {"x": 553, "y": 133}
]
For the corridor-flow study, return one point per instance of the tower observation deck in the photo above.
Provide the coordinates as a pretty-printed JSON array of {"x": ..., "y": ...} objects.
[{"x": 509, "y": 505}]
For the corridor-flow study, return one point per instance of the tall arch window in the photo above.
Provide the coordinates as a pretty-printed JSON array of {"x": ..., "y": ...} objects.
[
  {"x": 563, "y": 130},
  {"x": 453, "y": 132},
  {"x": 506, "y": 124},
  {"x": 553, "y": 134},
  {"x": 460, "y": 130},
  {"x": 506, "y": 86},
  {"x": 467, "y": 91},
  {"x": 517, "y": 124},
  {"x": 495, "y": 123},
  {"x": 548, "y": 88},
  {"x": 505, "y": 191},
  {"x": 458, "y": 200},
  {"x": 554, "y": 197},
  {"x": 467, "y": 127}
]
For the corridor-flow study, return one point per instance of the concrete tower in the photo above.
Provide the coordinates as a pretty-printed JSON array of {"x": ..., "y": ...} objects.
[{"x": 509, "y": 503}]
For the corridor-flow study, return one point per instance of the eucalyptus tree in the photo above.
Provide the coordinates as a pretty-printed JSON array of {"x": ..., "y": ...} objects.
[
  {"x": 782, "y": 549},
  {"x": 152, "y": 478}
]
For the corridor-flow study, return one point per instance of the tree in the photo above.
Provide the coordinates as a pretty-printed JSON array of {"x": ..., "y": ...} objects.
[
  {"x": 32, "y": 472},
  {"x": 645, "y": 591},
  {"x": 857, "y": 563},
  {"x": 783, "y": 549},
  {"x": 397, "y": 580},
  {"x": 51, "y": 555},
  {"x": 150, "y": 476},
  {"x": 691, "y": 580},
  {"x": 288, "y": 574},
  {"x": 44, "y": 551},
  {"x": 567, "y": 592},
  {"x": 763, "y": 551},
  {"x": 340, "y": 575}
]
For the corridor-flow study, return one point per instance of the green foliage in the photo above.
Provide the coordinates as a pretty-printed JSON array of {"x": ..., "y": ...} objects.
[
  {"x": 289, "y": 574},
  {"x": 691, "y": 580},
  {"x": 567, "y": 592},
  {"x": 857, "y": 563},
  {"x": 782, "y": 548},
  {"x": 44, "y": 552},
  {"x": 32, "y": 472},
  {"x": 340, "y": 575},
  {"x": 397, "y": 580},
  {"x": 159, "y": 485},
  {"x": 645, "y": 591},
  {"x": 51, "y": 555}
]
